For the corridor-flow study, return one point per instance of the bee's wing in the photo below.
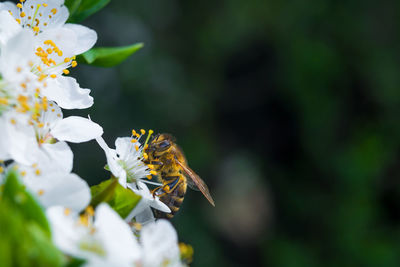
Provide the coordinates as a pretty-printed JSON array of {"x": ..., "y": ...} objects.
[{"x": 195, "y": 182}]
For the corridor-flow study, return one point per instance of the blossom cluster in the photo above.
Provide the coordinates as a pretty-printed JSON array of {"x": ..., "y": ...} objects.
[{"x": 37, "y": 50}]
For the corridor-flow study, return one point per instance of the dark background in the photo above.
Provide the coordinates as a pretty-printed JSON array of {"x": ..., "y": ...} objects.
[{"x": 288, "y": 109}]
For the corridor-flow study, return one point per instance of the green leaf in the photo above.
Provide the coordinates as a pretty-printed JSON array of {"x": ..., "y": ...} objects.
[
  {"x": 103, "y": 192},
  {"x": 72, "y": 6},
  {"x": 81, "y": 9},
  {"x": 15, "y": 193},
  {"x": 25, "y": 238},
  {"x": 75, "y": 262},
  {"x": 108, "y": 56},
  {"x": 121, "y": 199}
]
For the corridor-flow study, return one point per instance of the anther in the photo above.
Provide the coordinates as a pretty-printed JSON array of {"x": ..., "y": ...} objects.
[{"x": 67, "y": 211}]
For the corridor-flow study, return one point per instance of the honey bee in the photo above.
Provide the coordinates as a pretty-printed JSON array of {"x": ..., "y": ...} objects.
[{"x": 169, "y": 162}]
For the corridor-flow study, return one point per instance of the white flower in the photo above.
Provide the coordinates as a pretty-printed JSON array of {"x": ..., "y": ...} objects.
[
  {"x": 126, "y": 161},
  {"x": 142, "y": 212},
  {"x": 108, "y": 241},
  {"x": 44, "y": 138},
  {"x": 71, "y": 129},
  {"x": 53, "y": 51},
  {"x": 38, "y": 15},
  {"x": 159, "y": 242}
]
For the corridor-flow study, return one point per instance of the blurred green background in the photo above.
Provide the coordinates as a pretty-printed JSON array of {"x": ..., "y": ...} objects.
[{"x": 289, "y": 110}]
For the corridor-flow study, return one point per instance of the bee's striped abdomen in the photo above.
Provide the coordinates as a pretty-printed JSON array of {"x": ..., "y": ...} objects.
[{"x": 173, "y": 200}]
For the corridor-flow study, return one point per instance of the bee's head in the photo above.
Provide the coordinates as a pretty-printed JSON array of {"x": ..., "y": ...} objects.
[{"x": 161, "y": 143}]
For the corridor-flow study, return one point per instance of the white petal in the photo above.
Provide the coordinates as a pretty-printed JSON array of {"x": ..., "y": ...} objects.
[
  {"x": 123, "y": 146},
  {"x": 68, "y": 94},
  {"x": 116, "y": 235},
  {"x": 112, "y": 162},
  {"x": 76, "y": 130},
  {"x": 8, "y": 25},
  {"x": 86, "y": 38},
  {"x": 59, "y": 156},
  {"x": 67, "y": 190},
  {"x": 22, "y": 144},
  {"x": 148, "y": 198},
  {"x": 160, "y": 243},
  {"x": 64, "y": 230},
  {"x": 9, "y": 6},
  {"x": 145, "y": 217},
  {"x": 17, "y": 53},
  {"x": 4, "y": 141}
]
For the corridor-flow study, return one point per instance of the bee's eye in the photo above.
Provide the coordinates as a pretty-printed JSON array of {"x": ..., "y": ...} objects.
[{"x": 164, "y": 144}]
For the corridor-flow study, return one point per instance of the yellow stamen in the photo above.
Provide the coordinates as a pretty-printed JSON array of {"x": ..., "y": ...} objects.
[
  {"x": 66, "y": 72},
  {"x": 84, "y": 220},
  {"x": 53, "y": 76},
  {"x": 74, "y": 64},
  {"x": 89, "y": 210},
  {"x": 41, "y": 192},
  {"x": 153, "y": 172},
  {"x": 37, "y": 172},
  {"x": 1, "y": 169},
  {"x": 67, "y": 211},
  {"x": 3, "y": 101},
  {"x": 22, "y": 14},
  {"x": 133, "y": 140},
  {"x": 142, "y": 131},
  {"x": 149, "y": 177},
  {"x": 19, "y": 5}
]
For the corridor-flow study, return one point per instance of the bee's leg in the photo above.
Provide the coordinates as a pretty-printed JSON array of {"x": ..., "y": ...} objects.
[
  {"x": 156, "y": 162},
  {"x": 173, "y": 181},
  {"x": 153, "y": 162},
  {"x": 155, "y": 190}
]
